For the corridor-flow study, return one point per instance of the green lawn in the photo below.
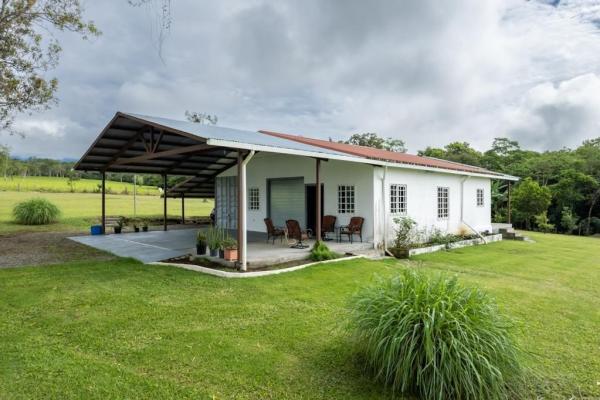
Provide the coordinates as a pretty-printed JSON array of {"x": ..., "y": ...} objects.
[
  {"x": 127, "y": 330},
  {"x": 79, "y": 210},
  {"x": 61, "y": 185}
]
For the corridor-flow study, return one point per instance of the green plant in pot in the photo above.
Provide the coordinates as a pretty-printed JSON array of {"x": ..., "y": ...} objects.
[
  {"x": 136, "y": 224},
  {"x": 201, "y": 243},
  {"x": 404, "y": 239},
  {"x": 213, "y": 240},
  {"x": 119, "y": 226},
  {"x": 230, "y": 249},
  {"x": 145, "y": 225}
]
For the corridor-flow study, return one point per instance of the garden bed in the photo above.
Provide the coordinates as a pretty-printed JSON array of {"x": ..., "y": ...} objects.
[
  {"x": 225, "y": 269},
  {"x": 454, "y": 245}
]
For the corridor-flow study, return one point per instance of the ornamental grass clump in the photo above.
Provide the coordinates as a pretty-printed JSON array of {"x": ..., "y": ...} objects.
[
  {"x": 431, "y": 337},
  {"x": 36, "y": 212},
  {"x": 320, "y": 252}
]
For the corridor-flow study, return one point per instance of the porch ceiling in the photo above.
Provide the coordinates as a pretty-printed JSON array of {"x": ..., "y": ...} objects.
[{"x": 134, "y": 145}]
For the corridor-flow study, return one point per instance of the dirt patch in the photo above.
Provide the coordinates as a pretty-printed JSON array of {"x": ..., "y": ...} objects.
[{"x": 42, "y": 248}]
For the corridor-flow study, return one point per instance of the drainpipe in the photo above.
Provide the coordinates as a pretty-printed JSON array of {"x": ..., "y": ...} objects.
[
  {"x": 243, "y": 245},
  {"x": 383, "y": 199},
  {"x": 462, "y": 208}
]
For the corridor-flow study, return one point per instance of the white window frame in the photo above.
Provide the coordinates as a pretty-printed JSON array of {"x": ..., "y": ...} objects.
[
  {"x": 480, "y": 197},
  {"x": 346, "y": 199},
  {"x": 443, "y": 202},
  {"x": 398, "y": 199},
  {"x": 253, "y": 199}
]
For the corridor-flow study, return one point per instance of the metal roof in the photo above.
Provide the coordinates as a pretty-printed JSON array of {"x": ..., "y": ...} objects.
[
  {"x": 384, "y": 155},
  {"x": 135, "y": 143}
]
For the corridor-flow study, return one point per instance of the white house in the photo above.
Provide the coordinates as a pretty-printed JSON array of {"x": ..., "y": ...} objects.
[{"x": 257, "y": 175}]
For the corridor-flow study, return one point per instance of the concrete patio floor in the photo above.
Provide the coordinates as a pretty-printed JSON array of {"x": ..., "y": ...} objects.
[{"x": 160, "y": 245}]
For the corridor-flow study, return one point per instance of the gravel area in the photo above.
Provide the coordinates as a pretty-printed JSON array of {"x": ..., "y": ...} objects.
[{"x": 45, "y": 248}]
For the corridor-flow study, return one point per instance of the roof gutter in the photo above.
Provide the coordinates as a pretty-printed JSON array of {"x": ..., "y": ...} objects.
[{"x": 339, "y": 157}]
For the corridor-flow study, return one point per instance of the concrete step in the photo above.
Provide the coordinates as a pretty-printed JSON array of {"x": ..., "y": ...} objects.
[
  {"x": 508, "y": 235},
  {"x": 506, "y": 230}
]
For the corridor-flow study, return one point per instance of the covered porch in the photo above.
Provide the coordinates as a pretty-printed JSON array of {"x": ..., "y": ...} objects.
[
  {"x": 139, "y": 144},
  {"x": 156, "y": 246}
]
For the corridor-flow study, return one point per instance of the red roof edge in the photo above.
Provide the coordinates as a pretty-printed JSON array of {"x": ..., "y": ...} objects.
[{"x": 382, "y": 155}]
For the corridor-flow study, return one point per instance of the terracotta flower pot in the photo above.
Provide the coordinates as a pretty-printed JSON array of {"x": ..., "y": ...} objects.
[{"x": 231, "y": 254}]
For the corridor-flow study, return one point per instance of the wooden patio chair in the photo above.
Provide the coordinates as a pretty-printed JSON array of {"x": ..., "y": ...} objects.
[
  {"x": 294, "y": 232},
  {"x": 328, "y": 226},
  {"x": 353, "y": 228},
  {"x": 273, "y": 232}
]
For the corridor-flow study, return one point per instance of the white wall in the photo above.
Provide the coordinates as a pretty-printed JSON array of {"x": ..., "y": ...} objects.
[
  {"x": 264, "y": 166},
  {"x": 422, "y": 200},
  {"x": 367, "y": 179}
]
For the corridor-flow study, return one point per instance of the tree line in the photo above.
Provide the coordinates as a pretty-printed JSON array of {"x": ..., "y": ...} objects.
[{"x": 558, "y": 191}]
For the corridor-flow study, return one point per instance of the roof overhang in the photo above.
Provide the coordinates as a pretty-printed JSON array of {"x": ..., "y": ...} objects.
[{"x": 137, "y": 144}]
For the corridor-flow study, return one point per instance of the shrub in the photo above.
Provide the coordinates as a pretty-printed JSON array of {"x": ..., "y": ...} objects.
[
  {"x": 429, "y": 336},
  {"x": 36, "y": 212},
  {"x": 405, "y": 235},
  {"x": 438, "y": 237},
  {"x": 568, "y": 221},
  {"x": 320, "y": 252},
  {"x": 543, "y": 224}
]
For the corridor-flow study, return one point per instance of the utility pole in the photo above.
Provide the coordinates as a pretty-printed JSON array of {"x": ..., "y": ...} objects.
[{"x": 134, "y": 196}]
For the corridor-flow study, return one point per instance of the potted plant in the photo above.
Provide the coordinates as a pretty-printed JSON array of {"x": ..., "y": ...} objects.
[
  {"x": 230, "y": 248},
  {"x": 145, "y": 225},
  {"x": 136, "y": 224},
  {"x": 405, "y": 232},
  {"x": 213, "y": 240},
  {"x": 119, "y": 226},
  {"x": 201, "y": 243}
]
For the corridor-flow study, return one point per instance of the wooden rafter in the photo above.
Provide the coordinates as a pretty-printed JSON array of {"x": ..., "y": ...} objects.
[
  {"x": 166, "y": 153},
  {"x": 123, "y": 149}
]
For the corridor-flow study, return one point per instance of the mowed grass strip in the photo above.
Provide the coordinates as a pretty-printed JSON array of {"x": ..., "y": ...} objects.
[
  {"x": 122, "y": 329},
  {"x": 80, "y": 210},
  {"x": 61, "y": 185}
]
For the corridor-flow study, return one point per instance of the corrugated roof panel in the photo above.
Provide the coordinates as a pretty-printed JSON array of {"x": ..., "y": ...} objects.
[{"x": 234, "y": 135}]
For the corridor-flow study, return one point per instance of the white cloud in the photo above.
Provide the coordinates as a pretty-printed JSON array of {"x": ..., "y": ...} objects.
[
  {"x": 426, "y": 71},
  {"x": 36, "y": 128},
  {"x": 551, "y": 116}
]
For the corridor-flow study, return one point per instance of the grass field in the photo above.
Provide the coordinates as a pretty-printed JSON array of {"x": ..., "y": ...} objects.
[
  {"x": 128, "y": 330},
  {"x": 61, "y": 185},
  {"x": 79, "y": 210}
]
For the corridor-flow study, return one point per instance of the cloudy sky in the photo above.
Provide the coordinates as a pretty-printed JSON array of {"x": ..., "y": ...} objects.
[{"x": 428, "y": 72}]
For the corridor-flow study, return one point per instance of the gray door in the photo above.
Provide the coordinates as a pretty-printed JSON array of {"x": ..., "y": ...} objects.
[
  {"x": 226, "y": 202},
  {"x": 287, "y": 200}
]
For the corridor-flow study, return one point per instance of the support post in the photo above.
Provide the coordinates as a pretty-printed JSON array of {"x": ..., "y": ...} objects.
[
  {"x": 165, "y": 202},
  {"x": 182, "y": 208},
  {"x": 103, "y": 202},
  {"x": 242, "y": 234},
  {"x": 318, "y": 190},
  {"x": 509, "y": 205},
  {"x": 241, "y": 175}
]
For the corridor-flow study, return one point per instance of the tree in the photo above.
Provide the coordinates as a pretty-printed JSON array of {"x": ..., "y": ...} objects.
[
  {"x": 4, "y": 160},
  {"x": 72, "y": 177},
  {"x": 373, "y": 140},
  {"x": 531, "y": 199},
  {"x": 28, "y": 50},
  {"x": 201, "y": 118},
  {"x": 572, "y": 189},
  {"x": 460, "y": 152}
]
